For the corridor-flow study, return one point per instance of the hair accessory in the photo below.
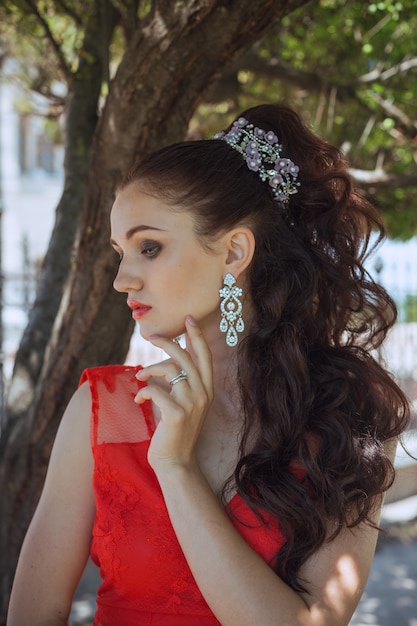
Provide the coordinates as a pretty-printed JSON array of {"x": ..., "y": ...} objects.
[
  {"x": 262, "y": 153},
  {"x": 181, "y": 376},
  {"x": 231, "y": 310}
]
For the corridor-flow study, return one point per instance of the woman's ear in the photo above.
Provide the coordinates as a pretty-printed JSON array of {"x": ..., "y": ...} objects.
[{"x": 240, "y": 250}]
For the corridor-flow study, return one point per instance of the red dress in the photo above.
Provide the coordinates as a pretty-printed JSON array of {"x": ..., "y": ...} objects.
[{"x": 145, "y": 577}]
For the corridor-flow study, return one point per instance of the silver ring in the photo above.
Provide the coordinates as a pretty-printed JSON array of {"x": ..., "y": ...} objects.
[{"x": 181, "y": 376}]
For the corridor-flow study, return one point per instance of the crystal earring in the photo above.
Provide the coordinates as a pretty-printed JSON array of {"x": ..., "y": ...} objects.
[{"x": 231, "y": 310}]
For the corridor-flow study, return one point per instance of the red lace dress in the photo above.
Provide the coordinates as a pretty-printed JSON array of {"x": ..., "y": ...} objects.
[{"x": 145, "y": 577}]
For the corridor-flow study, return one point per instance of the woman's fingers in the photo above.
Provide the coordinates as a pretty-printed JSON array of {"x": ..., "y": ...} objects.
[
  {"x": 175, "y": 439},
  {"x": 198, "y": 369},
  {"x": 166, "y": 369},
  {"x": 184, "y": 404},
  {"x": 167, "y": 404}
]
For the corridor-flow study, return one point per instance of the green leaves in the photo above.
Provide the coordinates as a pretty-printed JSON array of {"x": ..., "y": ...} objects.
[{"x": 351, "y": 68}]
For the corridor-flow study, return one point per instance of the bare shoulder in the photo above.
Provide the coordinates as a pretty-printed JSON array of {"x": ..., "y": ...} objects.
[
  {"x": 67, "y": 496},
  {"x": 57, "y": 543},
  {"x": 75, "y": 422},
  {"x": 71, "y": 457}
]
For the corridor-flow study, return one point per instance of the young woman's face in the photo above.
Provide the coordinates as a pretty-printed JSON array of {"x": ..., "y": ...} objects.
[{"x": 164, "y": 270}]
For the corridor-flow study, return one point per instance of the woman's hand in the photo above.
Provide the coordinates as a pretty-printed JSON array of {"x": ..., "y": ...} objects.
[{"x": 184, "y": 406}]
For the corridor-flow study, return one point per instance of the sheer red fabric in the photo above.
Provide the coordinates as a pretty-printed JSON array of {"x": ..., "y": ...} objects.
[{"x": 145, "y": 576}]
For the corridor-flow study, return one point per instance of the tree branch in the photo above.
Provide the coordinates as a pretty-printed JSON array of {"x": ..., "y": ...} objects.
[
  {"x": 377, "y": 74},
  {"x": 383, "y": 180},
  {"x": 69, "y": 11},
  {"x": 56, "y": 47},
  {"x": 276, "y": 68},
  {"x": 309, "y": 81},
  {"x": 402, "y": 120},
  {"x": 128, "y": 11}
]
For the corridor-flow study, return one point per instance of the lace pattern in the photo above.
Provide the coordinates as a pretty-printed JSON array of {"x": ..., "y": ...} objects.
[{"x": 143, "y": 568}]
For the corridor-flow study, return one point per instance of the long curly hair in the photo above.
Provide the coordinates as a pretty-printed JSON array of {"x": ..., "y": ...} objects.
[{"x": 308, "y": 378}]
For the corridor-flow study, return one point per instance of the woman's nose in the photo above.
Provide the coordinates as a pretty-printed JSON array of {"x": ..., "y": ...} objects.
[{"x": 127, "y": 278}]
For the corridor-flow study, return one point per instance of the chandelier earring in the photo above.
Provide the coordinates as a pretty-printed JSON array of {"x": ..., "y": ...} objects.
[{"x": 231, "y": 310}]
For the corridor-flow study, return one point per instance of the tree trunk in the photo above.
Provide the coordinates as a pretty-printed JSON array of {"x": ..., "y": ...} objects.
[
  {"x": 21, "y": 471},
  {"x": 172, "y": 59}
]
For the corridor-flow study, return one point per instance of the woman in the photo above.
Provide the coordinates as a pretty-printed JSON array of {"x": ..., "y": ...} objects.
[{"x": 239, "y": 481}]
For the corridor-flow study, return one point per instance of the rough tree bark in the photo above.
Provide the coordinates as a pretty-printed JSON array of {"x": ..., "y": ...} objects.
[
  {"x": 172, "y": 58},
  {"x": 21, "y": 473},
  {"x": 81, "y": 121}
]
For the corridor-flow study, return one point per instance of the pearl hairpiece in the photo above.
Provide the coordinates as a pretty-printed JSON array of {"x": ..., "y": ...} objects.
[{"x": 262, "y": 152}]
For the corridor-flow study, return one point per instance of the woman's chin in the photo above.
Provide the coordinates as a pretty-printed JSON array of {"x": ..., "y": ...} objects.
[{"x": 169, "y": 333}]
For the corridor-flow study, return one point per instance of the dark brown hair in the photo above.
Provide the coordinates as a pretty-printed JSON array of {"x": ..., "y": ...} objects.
[{"x": 306, "y": 373}]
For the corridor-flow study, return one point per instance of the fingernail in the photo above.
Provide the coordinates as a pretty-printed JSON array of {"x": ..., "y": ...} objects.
[{"x": 191, "y": 321}]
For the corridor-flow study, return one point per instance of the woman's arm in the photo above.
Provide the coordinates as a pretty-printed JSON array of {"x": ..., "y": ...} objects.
[
  {"x": 56, "y": 546},
  {"x": 240, "y": 588}
]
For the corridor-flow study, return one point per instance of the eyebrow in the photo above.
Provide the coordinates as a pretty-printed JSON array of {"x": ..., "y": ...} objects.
[{"x": 138, "y": 229}]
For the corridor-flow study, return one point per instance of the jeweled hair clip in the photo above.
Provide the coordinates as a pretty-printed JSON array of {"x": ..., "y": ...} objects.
[{"x": 262, "y": 152}]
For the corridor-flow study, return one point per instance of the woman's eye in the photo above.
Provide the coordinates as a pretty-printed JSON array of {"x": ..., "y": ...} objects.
[{"x": 150, "y": 249}]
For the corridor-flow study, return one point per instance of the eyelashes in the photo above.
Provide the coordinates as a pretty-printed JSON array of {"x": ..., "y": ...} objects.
[{"x": 150, "y": 249}]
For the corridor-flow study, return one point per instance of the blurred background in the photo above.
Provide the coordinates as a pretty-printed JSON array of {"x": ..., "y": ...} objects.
[{"x": 350, "y": 68}]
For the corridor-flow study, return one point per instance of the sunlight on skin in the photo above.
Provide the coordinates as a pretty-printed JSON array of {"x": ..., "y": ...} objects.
[
  {"x": 346, "y": 579},
  {"x": 345, "y": 583}
]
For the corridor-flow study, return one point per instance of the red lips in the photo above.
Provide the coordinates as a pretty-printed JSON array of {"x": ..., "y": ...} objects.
[{"x": 138, "y": 308}]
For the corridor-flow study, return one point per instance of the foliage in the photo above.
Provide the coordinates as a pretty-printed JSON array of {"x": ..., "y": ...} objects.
[
  {"x": 350, "y": 67},
  {"x": 409, "y": 308},
  {"x": 45, "y": 39},
  {"x": 374, "y": 117}
]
